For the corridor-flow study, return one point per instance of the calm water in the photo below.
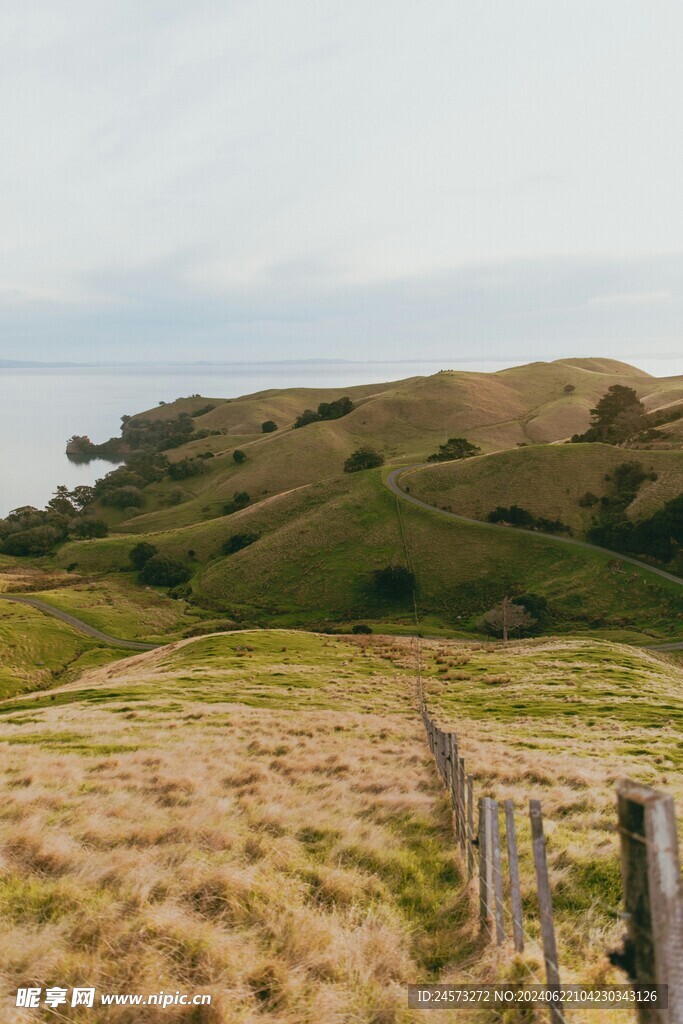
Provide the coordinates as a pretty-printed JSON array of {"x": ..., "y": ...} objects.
[{"x": 40, "y": 409}]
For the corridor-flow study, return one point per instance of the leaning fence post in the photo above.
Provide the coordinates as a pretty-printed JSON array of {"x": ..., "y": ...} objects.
[
  {"x": 485, "y": 873},
  {"x": 545, "y": 905},
  {"x": 653, "y": 895},
  {"x": 470, "y": 826},
  {"x": 497, "y": 873},
  {"x": 513, "y": 867}
]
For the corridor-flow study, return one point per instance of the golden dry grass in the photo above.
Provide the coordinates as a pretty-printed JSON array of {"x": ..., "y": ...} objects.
[{"x": 257, "y": 816}]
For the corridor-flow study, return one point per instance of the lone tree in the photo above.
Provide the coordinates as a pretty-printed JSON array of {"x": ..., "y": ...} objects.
[
  {"x": 268, "y": 427},
  {"x": 618, "y": 415},
  {"x": 508, "y": 617},
  {"x": 363, "y": 458},
  {"x": 454, "y": 448},
  {"x": 238, "y": 456}
]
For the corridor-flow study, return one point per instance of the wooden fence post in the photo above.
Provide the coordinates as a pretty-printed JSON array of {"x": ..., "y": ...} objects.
[
  {"x": 545, "y": 905},
  {"x": 485, "y": 866},
  {"x": 497, "y": 867},
  {"x": 653, "y": 895},
  {"x": 513, "y": 867},
  {"x": 461, "y": 802},
  {"x": 470, "y": 826}
]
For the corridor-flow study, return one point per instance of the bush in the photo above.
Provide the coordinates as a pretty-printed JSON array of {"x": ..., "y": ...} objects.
[
  {"x": 306, "y": 417},
  {"x": 394, "y": 582},
  {"x": 240, "y": 499},
  {"x": 454, "y": 448},
  {"x": 141, "y": 554},
  {"x": 239, "y": 457},
  {"x": 38, "y": 540},
  {"x": 268, "y": 427},
  {"x": 86, "y": 529},
  {"x": 162, "y": 571},
  {"x": 238, "y": 541},
  {"x": 363, "y": 458},
  {"x": 361, "y": 627},
  {"x": 123, "y": 497}
]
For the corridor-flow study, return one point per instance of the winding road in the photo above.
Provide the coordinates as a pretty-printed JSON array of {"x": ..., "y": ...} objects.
[
  {"x": 82, "y": 627},
  {"x": 392, "y": 482}
]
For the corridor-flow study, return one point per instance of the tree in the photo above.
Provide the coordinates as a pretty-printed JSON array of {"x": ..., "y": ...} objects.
[
  {"x": 618, "y": 415},
  {"x": 306, "y": 417},
  {"x": 363, "y": 458},
  {"x": 454, "y": 448},
  {"x": 162, "y": 571},
  {"x": 86, "y": 529},
  {"x": 268, "y": 427},
  {"x": 394, "y": 582},
  {"x": 240, "y": 499},
  {"x": 141, "y": 554},
  {"x": 239, "y": 457},
  {"x": 507, "y": 617}
]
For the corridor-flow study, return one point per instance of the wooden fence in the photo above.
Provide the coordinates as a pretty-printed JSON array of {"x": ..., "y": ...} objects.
[{"x": 652, "y": 950}]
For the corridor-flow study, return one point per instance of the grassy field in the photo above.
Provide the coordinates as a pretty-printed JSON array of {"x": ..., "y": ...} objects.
[
  {"x": 262, "y": 807},
  {"x": 319, "y": 545},
  {"x": 121, "y": 608},
  {"x": 548, "y": 480},
  {"x": 38, "y": 652}
]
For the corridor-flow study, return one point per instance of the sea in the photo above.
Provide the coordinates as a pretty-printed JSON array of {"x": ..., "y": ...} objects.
[{"x": 42, "y": 407}]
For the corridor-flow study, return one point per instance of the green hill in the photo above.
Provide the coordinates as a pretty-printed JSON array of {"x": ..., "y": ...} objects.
[{"x": 549, "y": 480}]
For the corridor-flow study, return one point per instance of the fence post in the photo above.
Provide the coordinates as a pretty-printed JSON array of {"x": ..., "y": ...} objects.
[
  {"x": 545, "y": 905},
  {"x": 454, "y": 782},
  {"x": 497, "y": 873},
  {"x": 485, "y": 872},
  {"x": 470, "y": 826},
  {"x": 653, "y": 895},
  {"x": 461, "y": 802},
  {"x": 513, "y": 866}
]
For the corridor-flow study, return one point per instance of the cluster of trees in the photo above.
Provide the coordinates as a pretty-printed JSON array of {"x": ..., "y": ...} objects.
[
  {"x": 122, "y": 488},
  {"x": 326, "y": 411},
  {"x": 618, "y": 416},
  {"x": 394, "y": 583},
  {"x": 515, "y": 515},
  {"x": 454, "y": 448},
  {"x": 363, "y": 458},
  {"x": 660, "y": 536},
  {"x": 31, "y": 531},
  {"x": 186, "y": 468},
  {"x": 155, "y": 569}
]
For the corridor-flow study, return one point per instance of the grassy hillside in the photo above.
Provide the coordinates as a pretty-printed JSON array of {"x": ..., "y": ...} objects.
[
  {"x": 319, "y": 545},
  {"x": 38, "y": 652},
  {"x": 548, "y": 480},
  {"x": 262, "y": 807},
  {"x": 406, "y": 420}
]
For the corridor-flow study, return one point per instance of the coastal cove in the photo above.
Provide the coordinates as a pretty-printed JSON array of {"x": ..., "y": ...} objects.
[{"x": 40, "y": 408}]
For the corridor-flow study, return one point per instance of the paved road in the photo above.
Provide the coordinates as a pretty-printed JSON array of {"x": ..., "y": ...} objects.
[
  {"x": 82, "y": 627},
  {"x": 394, "y": 486}
]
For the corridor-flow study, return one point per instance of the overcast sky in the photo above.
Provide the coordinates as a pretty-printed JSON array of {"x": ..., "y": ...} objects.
[{"x": 385, "y": 179}]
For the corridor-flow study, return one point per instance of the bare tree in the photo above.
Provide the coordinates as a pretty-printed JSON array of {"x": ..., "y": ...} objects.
[{"x": 508, "y": 617}]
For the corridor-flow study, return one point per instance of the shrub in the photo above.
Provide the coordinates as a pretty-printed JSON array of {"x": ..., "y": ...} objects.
[
  {"x": 361, "y": 627},
  {"x": 363, "y": 458},
  {"x": 38, "y": 540},
  {"x": 268, "y": 427},
  {"x": 162, "y": 571},
  {"x": 141, "y": 554},
  {"x": 238, "y": 541},
  {"x": 238, "y": 456},
  {"x": 123, "y": 497}
]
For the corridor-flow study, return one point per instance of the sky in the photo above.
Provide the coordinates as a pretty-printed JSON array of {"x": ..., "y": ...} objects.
[{"x": 364, "y": 179}]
